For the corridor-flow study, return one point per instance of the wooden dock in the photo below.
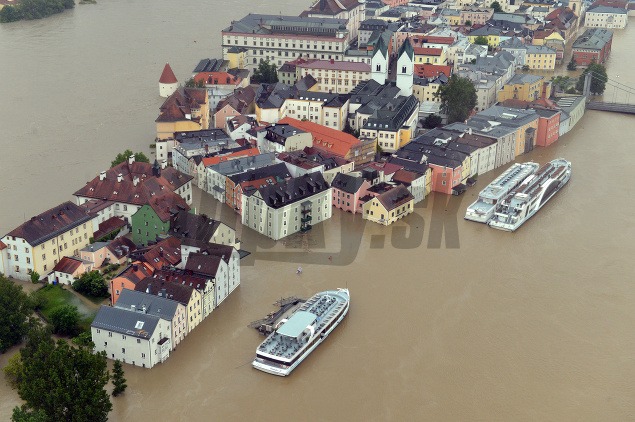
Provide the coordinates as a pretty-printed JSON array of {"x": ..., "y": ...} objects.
[{"x": 266, "y": 325}]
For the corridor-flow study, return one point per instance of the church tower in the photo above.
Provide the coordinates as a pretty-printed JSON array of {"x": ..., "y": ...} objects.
[
  {"x": 576, "y": 7},
  {"x": 379, "y": 62},
  {"x": 405, "y": 68}
]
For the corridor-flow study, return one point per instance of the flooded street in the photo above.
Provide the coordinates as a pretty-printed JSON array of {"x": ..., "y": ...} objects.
[{"x": 449, "y": 319}]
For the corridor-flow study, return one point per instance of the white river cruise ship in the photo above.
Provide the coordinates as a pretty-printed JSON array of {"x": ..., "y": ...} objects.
[
  {"x": 483, "y": 208},
  {"x": 523, "y": 202},
  {"x": 296, "y": 337}
]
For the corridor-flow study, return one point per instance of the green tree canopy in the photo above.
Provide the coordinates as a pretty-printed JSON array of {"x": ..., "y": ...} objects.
[
  {"x": 458, "y": 98},
  {"x": 598, "y": 79},
  {"x": 23, "y": 414},
  {"x": 266, "y": 73},
  {"x": 118, "y": 380},
  {"x": 432, "y": 121},
  {"x": 34, "y": 9},
  {"x": 65, "y": 320},
  {"x": 123, "y": 156},
  {"x": 191, "y": 83},
  {"x": 65, "y": 382},
  {"x": 481, "y": 40},
  {"x": 91, "y": 284},
  {"x": 572, "y": 64},
  {"x": 496, "y": 6},
  {"x": 15, "y": 309}
]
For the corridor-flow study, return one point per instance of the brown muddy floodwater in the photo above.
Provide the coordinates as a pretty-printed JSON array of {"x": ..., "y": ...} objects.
[{"x": 476, "y": 325}]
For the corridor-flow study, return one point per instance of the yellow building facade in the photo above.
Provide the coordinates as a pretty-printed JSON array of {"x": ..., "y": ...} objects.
[{"x": 522, "y": 87}]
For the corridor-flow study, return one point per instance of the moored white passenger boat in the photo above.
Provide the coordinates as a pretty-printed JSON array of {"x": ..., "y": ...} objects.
[
  {"x": 483, "y": 208},
  {"x": 523, "y": 202},
  {"x": 296, "y": 337}
]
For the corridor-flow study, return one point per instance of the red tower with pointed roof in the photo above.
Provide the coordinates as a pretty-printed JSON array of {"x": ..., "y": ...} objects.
[{"x": 167, "y": 82}]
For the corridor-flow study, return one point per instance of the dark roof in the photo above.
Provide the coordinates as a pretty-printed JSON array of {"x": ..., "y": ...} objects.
[
  {"x": 293, "y": 190},
  {"x": 188, "y": 225},
  {"x": 146, "y": 303},
  {"x": 211, "y": 65},
  {"x": 158, "y": 285},
  {"x": 68, "y": 265},
  {"x": 122, "y": 246},
  {"x": 279, "y": 171},
  {"x": 51, "y": 223},
  {"x": 203, "y": 264},
  {"x": 167, "y": 76},
  {"x": 331, "y": 7},
  {"x": 347, "y": 183},
  {"x": 409, "y": 165},
  {"x": 125, "y": 322},
  {"x": 395, "y": 197}
]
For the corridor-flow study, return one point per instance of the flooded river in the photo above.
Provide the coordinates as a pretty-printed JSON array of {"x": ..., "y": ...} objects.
[{"x": 449, "y": 320}]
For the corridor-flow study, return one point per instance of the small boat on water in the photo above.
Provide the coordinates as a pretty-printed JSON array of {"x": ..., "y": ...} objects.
[
  {"x": 296, "y": 337},
  {"x": 531, "y": 195},
  {"x": 483, "y": 208}
]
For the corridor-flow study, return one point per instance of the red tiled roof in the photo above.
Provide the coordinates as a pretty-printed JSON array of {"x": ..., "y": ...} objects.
[
  {"x": 127, "y": 191},
  {"x": 539, "y": 35},
  {"x": 427, "y": 51},
  {"x": 167, "y": 76},
  {"x": 217, "y": 78},
  {"x": 405, "y": 177},
  {"x": 137, "y": 271},
  {"x": 167, "y": 204},
  {"x": 67, "y": 265},
  {"x": 165, "y": 253},
  {"x": 2, "y": 245},
  {"x": 432, "y": 70},
  {"x": 324, "y": 138},
  {"x": 183, "y": 101},
  {"x": 387, "y": 168},
  {"x": 210, "y": 161},
  {"x": 430, "y": 39}
]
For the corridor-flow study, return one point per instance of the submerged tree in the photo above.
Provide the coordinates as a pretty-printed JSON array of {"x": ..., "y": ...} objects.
[
  {"x": 15, "y": 309},
  {"x": 66, "y": 383},
  {"x": 118, "y": 380},
  {"x": 121, "y": 157},
  {"x": 598, "y": 79}
]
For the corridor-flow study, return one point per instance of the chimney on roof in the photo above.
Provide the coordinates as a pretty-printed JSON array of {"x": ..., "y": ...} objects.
[
  {"x": 135, "y": 267},
  {"x": 119, "y": 177},
  {"x": 131, "y": 159},
  {"x": 133, "y": 307},
  {"x": 149, "y": 288},
  {"x": 102, "y": 175},
  {"x": 332, "y": 61},
  {"x": 135, "y": 181},
  {"x": 164, "y": 164},
  {"x": 143, "y": 308}
]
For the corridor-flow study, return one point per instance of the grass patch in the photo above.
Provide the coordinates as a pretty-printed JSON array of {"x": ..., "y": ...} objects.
[{"x": 55, "y": 296}]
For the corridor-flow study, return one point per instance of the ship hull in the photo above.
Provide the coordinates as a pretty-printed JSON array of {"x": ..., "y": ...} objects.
[
  {"x": 511, "y": 227},
  {"x": 284, "y": 370}
]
